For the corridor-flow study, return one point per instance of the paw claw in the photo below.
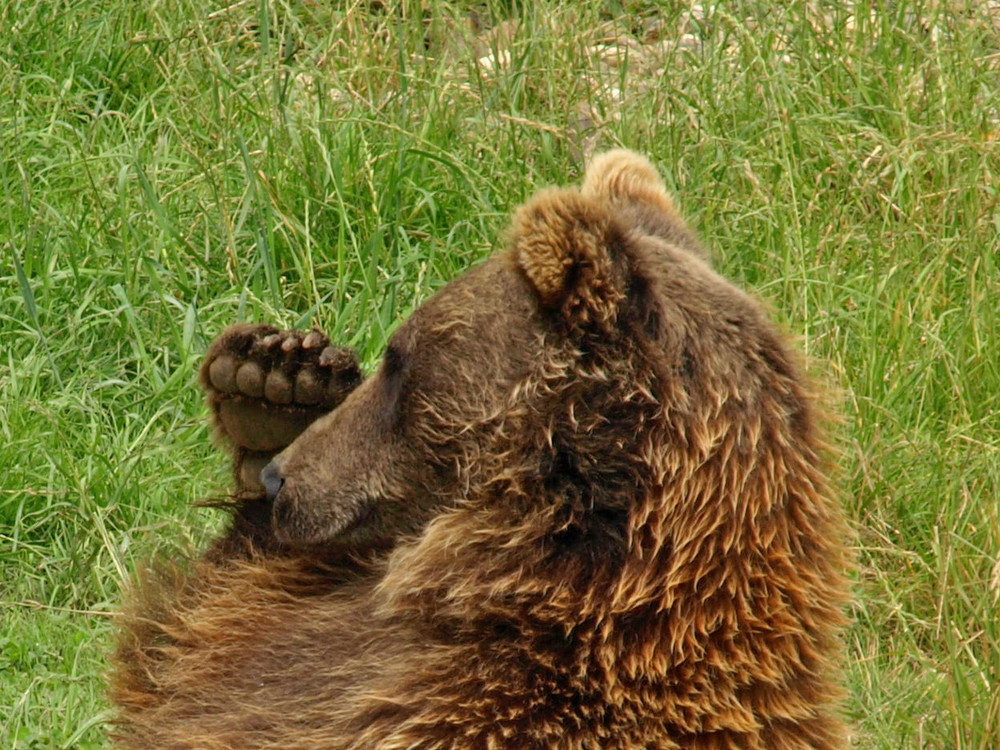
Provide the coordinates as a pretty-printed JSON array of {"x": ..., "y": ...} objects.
[
  {"x": 341, "y": 361},
  {"x": 327, "y": 356},
  {"x": 314, "y": 340},
  {"x": 291, "y": 343}
]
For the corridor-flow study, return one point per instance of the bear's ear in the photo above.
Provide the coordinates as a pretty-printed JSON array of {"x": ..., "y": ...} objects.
[
  {"x": 623, "y": 176},
  {"x": 571, "y": 250},
  {"x": 630, "y": 185}
]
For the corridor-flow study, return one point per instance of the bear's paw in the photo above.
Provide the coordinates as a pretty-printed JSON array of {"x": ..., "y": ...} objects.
[{"x": 265, "y": 386}]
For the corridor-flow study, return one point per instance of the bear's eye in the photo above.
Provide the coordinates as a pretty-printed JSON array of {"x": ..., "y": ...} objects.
[
  {"x": 392, "y": 361},
  {"x": 394, "y": 367}
]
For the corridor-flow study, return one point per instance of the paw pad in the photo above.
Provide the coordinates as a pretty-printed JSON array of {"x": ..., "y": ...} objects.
[{"x": 266, "y": 386}]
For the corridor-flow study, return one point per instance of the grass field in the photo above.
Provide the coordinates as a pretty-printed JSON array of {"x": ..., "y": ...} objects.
[{"x": 171, "y": 167}]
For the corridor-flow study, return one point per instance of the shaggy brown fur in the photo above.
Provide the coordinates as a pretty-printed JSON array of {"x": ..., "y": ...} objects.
[{"x": 601, "y": 479}]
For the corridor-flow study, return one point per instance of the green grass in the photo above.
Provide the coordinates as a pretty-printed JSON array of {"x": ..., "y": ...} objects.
[{"x": 170, "y": 167}]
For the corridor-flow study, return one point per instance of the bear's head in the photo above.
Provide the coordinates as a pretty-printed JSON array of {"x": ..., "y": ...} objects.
[{"x": 594, "y": 394}]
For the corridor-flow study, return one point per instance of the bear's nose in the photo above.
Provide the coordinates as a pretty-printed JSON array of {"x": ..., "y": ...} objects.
[{"x": 272, "y": 480}]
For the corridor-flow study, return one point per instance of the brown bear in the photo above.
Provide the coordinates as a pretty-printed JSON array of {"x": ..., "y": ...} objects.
[{"x": 580, "y": 504}]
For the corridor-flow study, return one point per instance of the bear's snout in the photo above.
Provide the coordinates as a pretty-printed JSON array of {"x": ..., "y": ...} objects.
[{"x": 271, "y": 478}]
